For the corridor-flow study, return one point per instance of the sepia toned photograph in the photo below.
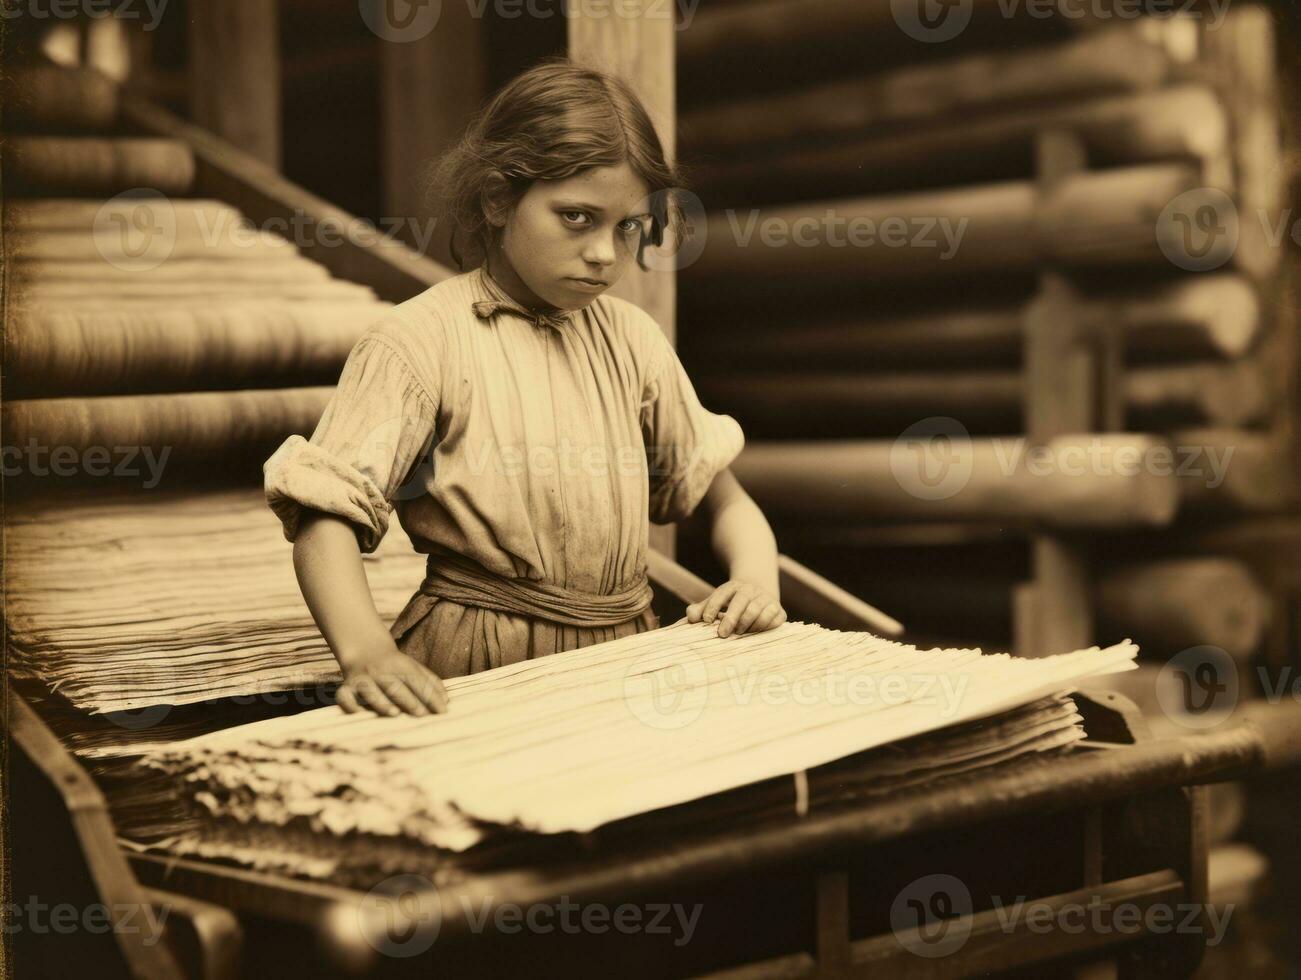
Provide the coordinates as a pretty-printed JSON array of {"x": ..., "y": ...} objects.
[{"x": 654, "y": 489}]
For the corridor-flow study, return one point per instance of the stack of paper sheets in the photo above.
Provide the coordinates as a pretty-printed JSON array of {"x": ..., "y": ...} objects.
[
  {"x": 595, "y": 737},
  {"x": 171, "y": 599}
]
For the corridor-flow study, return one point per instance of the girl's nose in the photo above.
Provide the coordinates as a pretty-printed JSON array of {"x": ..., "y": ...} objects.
[{"x": 600, "y": 251}]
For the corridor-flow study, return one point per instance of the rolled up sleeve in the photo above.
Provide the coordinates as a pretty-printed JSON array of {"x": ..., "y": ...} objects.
[
  {"x": 376, "y": 428},
  {"x": 686, "y": 444}
]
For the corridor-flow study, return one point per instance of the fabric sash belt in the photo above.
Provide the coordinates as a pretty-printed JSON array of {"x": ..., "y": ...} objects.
[{"x": 468, "y": 583}]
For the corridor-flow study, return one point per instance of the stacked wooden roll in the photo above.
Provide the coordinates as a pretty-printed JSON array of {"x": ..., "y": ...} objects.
[
  {"x": 143, "y": 319},
  {"x": 867, "y": 271},
  {"x": 160, "y": 342}
]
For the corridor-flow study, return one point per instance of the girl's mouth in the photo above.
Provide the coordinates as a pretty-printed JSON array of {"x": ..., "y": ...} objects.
[{"x": 589, "y": 283}]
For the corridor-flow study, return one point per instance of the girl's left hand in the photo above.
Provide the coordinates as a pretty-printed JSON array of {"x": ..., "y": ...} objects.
[{"x": 744, "y": 608}]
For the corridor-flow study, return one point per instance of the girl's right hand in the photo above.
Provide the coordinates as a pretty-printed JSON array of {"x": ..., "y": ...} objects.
[{"x": 388, "y": 682}]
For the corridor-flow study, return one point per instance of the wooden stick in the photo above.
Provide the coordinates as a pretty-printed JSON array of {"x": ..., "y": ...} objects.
[
  {"x": 1239, "y": 58},
  {"x": 92, "y": 166},
  {"x": 863, "y": 404},
  {"x": 1122, "y": 59},
  {"x": 1207, "y": 316},
  {"x": 1093, "y": 481},
  {"x": 55, "y": 351},
  {"x": 193, "y": 424},
  {"x": 1093, "y": 219},
  {"x": 1167, "y": 605},
  {"x": 1234, "y": 471},
  {"x": 54, "y": 98},
  {"x": 1185, "y": 121}
]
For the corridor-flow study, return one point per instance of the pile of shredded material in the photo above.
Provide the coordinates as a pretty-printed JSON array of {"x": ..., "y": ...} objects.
[
  {"x": 611, "y": 735},
  {"x": 186, "y": 598}
]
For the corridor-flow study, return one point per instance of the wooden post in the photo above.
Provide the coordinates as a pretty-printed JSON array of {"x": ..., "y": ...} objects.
[
  {"x": 430, "y": 88},
  {"x": 1067, "y": 384},
  {"x": 640, "y": 50},
  {"x": 235, "y": 73},
  {"x": 636, "y": 41}
]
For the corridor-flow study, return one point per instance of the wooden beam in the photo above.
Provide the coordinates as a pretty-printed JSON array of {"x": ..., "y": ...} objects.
[
  {"x": 1172, "y": 123},
  {"x": 1121, "y": 59},
  {"x": 1206, "y": 317},
  {"x": 636, "y": 41},
  {"x": 430, "y": 88},
  {"x": 1092, "y": 219},
  {"x": 640, "y": 50},
  {"x": 1131, "y": 484},
  {"x": 348, "y": 247},
  {"x": 827, "y": 403},
  {"x": 235, "y": 73}
]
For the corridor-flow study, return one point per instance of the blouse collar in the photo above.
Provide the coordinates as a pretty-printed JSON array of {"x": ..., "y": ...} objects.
[{"x": 502, "y": 301}]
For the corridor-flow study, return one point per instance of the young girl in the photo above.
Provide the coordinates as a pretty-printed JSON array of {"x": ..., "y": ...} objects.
[{"x": 556, "y": 420}]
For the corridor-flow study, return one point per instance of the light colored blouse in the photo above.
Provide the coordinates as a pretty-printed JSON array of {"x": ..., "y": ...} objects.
[{"x": 539, "y": 447}]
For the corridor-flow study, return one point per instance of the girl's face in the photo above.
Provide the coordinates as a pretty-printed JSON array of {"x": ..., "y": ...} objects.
[{"x": 568, "y": 241}]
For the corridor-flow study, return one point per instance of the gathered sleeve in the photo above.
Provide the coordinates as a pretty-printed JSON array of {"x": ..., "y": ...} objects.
[
  {"x": 686, "y": 444},
  {"x": 376, "y": 428}
]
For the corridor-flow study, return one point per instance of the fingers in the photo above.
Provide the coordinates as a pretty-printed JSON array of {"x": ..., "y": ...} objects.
[
  {"x": 695, "y": 611},
  {"x": 722, "y": 595},
  {"x": 771, "y": 618},
  {"x": 371, "y": 696},
  {"x": 745, "y": 597},
  {"x": 759, "y": 606},
  {"x": 429, "y": 688},
  {"x": 346, "y": 699},
  {"x": 401, "y": 695},
  {"x": 749, "y": 609}
]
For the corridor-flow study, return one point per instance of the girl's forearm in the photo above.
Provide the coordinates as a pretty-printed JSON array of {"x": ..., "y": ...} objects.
[
  {"x": 327, "y": 561},
  {"x": 741, "y": 536}
]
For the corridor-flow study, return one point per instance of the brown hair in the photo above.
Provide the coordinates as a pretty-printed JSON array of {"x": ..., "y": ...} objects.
[{"x": 551, "y": 122}]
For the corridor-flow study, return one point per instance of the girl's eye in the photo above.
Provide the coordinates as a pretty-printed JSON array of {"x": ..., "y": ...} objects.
[
  {"x": 630, "y": 226},
  {"x": 577, "y": 215}
]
